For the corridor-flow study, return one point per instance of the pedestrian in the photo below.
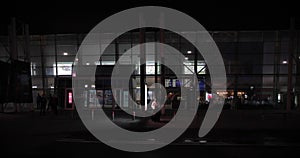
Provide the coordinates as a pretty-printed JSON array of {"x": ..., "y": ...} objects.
[
  {"x": 43, "y": 105},
  {"x": 154, "y": 104},
  {"x": 49, "y": 102},
  {"x": 54, "y": 102},
  {"x": 156, "y": 116},
  {"x": 38, "y": 101}
]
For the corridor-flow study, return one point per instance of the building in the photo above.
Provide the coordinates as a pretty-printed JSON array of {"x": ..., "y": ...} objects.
[{"x": 256, "y": 64}]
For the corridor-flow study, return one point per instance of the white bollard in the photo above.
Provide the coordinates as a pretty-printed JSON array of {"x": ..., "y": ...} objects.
[
  {"x": 174, "y": 115},
  {"x": 134, "y": 115},
  {"x": 93, "y": 114}
]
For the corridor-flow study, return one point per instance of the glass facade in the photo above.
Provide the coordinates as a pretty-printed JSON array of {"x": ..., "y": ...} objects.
[{"x": 256, "y": 63}]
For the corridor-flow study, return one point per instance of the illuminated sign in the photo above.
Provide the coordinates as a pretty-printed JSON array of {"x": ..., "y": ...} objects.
[
  {"x": 63, "y": 68},
  {"x": 70, "y": 98},
  {"x": 69, "y": 104}
]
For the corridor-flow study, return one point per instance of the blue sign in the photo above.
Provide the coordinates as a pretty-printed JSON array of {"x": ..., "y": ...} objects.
[
  {"x": 171, "y": 83},
  {"x": 201, "y": 85},
  {"x": 178, "y": 83}
]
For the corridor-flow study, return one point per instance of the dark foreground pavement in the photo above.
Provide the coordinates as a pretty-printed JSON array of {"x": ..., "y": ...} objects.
[{"x": 237, "y": 134}]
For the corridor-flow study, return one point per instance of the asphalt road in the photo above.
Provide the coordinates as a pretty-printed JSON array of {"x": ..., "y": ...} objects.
[{"x": 31, "y": 135}]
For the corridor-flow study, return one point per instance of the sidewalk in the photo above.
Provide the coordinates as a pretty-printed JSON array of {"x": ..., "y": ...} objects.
[{"x": 29, "y": 133}]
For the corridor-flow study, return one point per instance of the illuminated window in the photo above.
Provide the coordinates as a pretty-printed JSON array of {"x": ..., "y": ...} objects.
[
  {"x": 201, "y": 67},
  {"x": 63, "y": 68},
  {"x": 188, "y": 67}
]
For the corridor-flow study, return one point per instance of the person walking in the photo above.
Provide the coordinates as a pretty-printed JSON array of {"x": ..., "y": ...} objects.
[
  {"x": 54, "y": 103},
  {"x": 43, "y": 105},
  {"x": 38, "y": 101},
  {"x": 156, "y": 116},
  {"x": 49, "y": 102}
]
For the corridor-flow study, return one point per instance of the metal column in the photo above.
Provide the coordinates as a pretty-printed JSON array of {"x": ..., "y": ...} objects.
[
  {"x": 27, "y": 43},
  {"x": 290, "y": 65},
  {"x": 276, "y": 68},
  {"x": 13, "y": 47},
  {"x": 42, "y": 63},
  {"x": 13, "y": 40}
]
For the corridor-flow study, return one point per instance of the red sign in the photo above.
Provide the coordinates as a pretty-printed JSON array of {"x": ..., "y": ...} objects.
[
  {"x": 70, "y": 98},
  {"x": 69, "y": 105}
]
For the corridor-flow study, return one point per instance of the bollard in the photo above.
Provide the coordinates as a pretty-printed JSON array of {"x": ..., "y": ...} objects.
[
  {"x": 113, "y": 115},
  {"x": 203, "y": 141},
  {"x": 174, "y": 115},
  {"x": 134, "y": 115},
  {"x": 92, "y": 114}
]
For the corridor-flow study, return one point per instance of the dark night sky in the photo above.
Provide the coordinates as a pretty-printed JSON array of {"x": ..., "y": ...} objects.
[{"x": 46, "y": 17}]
